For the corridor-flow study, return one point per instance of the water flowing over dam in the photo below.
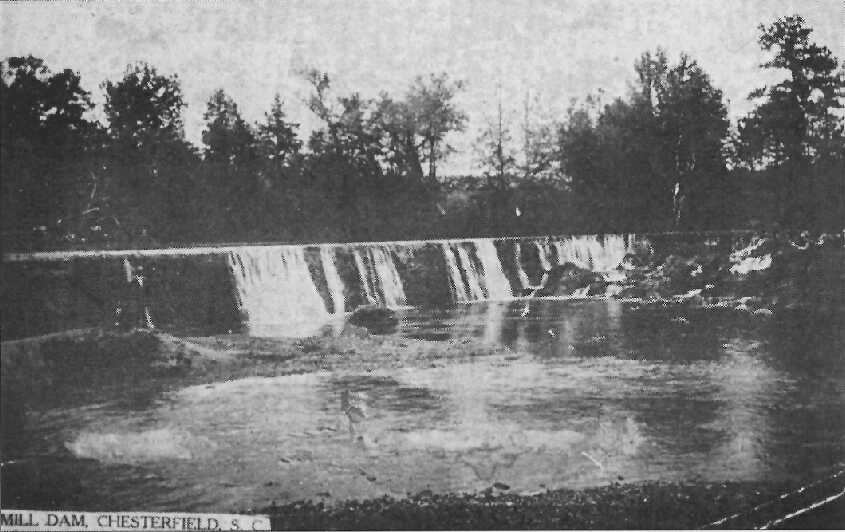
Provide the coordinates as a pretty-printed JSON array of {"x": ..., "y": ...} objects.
[
  {"x": 538, "y": 363},
  {"x": 273, "y": 286},
  {"x": 292, "y": 289},
  {"x": 379, "y": 278},
  {"x": 475, "y": 271}
]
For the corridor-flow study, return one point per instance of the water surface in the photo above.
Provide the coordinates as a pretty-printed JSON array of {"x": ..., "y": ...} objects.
[{"x": 582, "y": 393}]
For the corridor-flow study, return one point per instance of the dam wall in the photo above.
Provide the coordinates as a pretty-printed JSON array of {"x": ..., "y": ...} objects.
[{"x": 296, "y": 289}]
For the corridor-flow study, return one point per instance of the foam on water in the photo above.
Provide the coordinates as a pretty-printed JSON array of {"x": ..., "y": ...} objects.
[
  {"x": 133, "y": 447},
  {"x": 275, "y": 291}
]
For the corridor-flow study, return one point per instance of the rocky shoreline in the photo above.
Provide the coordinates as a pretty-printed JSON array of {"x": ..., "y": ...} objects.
[
  {"x": 769, "y": 274},
  {"x": 646, "y": 505}
]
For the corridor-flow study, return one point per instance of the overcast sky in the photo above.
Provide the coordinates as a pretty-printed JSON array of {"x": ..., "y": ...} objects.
[{"x": 554, "y": 50}]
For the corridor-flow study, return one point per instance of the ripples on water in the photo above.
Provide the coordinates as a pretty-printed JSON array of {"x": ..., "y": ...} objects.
[{"x": 587, "y": 393}]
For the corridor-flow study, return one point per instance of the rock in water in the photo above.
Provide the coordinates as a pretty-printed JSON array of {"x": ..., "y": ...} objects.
[
  {"x": 376, "y": 319},
  {"x": 680, "y": 273},
  {"x": 354, "y": 331},
  {"x": 631, "y": 262},
  {"x": 566, "y": 278}
]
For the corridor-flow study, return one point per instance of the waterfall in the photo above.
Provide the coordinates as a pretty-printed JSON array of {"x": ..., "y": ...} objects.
[
  {"x": 456, "y": 283},
  {"x": 471, "y": 280},
  {"x": 467, "y": 286},
  {"x": 333, "y": 281},
  {"x": 275, "y": 291},
  {"x": 498, "y": 286},
  {"x": 520, "y": 271},
  {"x": 592, "y": 253},
  {"x": 381, "y": 282},
  {"x": 543, "y": 255}
]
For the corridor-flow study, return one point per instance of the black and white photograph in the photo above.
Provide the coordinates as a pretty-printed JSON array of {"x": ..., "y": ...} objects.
[{"x": 422, "y": 265}]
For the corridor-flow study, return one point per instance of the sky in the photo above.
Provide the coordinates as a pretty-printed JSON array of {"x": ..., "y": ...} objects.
[{"x": 546, "y": 51}]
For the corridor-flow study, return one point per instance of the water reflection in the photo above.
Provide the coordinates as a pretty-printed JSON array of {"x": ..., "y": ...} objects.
[{"x": 586, "y": 393}]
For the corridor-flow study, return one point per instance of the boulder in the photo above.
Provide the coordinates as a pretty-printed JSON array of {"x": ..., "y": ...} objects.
[
  {"x": 631, "y": 262},
  {"x": 376, "y": 319},
  {"x": 681, "y": 274},
  {"x": 564, "y": 279},
  {"x": 598, "y": 288},
  {"x": 354, "y": 331}
]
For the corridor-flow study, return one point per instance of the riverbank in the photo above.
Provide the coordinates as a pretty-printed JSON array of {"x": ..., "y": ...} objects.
[{"x": 652, "y": 505}]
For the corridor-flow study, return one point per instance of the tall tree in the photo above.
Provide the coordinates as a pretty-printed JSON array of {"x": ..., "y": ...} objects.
[
  {"x": 150, "y": 164},
  {"x": 46, "y": 146},
  {"x": 435, "y": 114},
  {"x": 796, "y": 118},
  {"x": 394, "y": 121},
  {"x": 497, "y": 156},
  {"x": 277, "y": 140},
  {"x": 797, "y": 122},
  {"x": 691, "y": 126},
  {"x": 231, "y": 181},
  {"x": 227, "y": 137},
  {"x": 649, "y": 162},
  {"x": 539, "y": 158},
  {"x": 144, "y": 107}
]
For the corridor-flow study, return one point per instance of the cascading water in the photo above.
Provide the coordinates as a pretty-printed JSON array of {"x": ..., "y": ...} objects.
[
  {"x": 456, "y": 282},
  {"x": 498, "y": 286},
  {"x": 381, "y": 282},
  {"x": 602, "y": 255},
  {"x": 275, "y": 290},
  {"x": 591, "y": 253},
  {"x": 524, "y": 282},
  {"x": 464, "y": 280},
  {"x": 543, "y": 255},
  {"x": 474, "y": 290},
  {"x": 333, "y": 281},
  {"x": 471, "y": 280}
]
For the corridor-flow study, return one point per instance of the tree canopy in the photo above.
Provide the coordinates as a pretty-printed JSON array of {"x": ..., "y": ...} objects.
[
  {"x": 664, "y": 156},
  {"x": 797, "y": 125}
]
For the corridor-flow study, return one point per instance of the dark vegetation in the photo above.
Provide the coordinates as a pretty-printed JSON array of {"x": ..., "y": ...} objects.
[{"x": 665, "y": 157}]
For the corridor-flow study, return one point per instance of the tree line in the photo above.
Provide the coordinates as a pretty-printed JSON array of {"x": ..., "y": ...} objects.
[{"x": 663, "y": 157}]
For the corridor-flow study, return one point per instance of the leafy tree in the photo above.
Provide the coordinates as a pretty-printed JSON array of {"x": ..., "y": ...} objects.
[
  {"x": 796, "y": 119},
  {"x": 231, "y": 182},
  {"x": 277, "y": 140},
  {"x": 691, "y": 124},
  {"x": 227, "y": 137},
  {"x": 150, "y": 164},
  {"x": 144, "y": 107},
  {"x": 366, "y": 162},
  {"x": 797, "y": 123},
  {"x": 45, "y": 146},
  {"x": 432, "y": 106},
  {"x": 394, "y": 122},
  {"x": 650, "y": 161}
]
